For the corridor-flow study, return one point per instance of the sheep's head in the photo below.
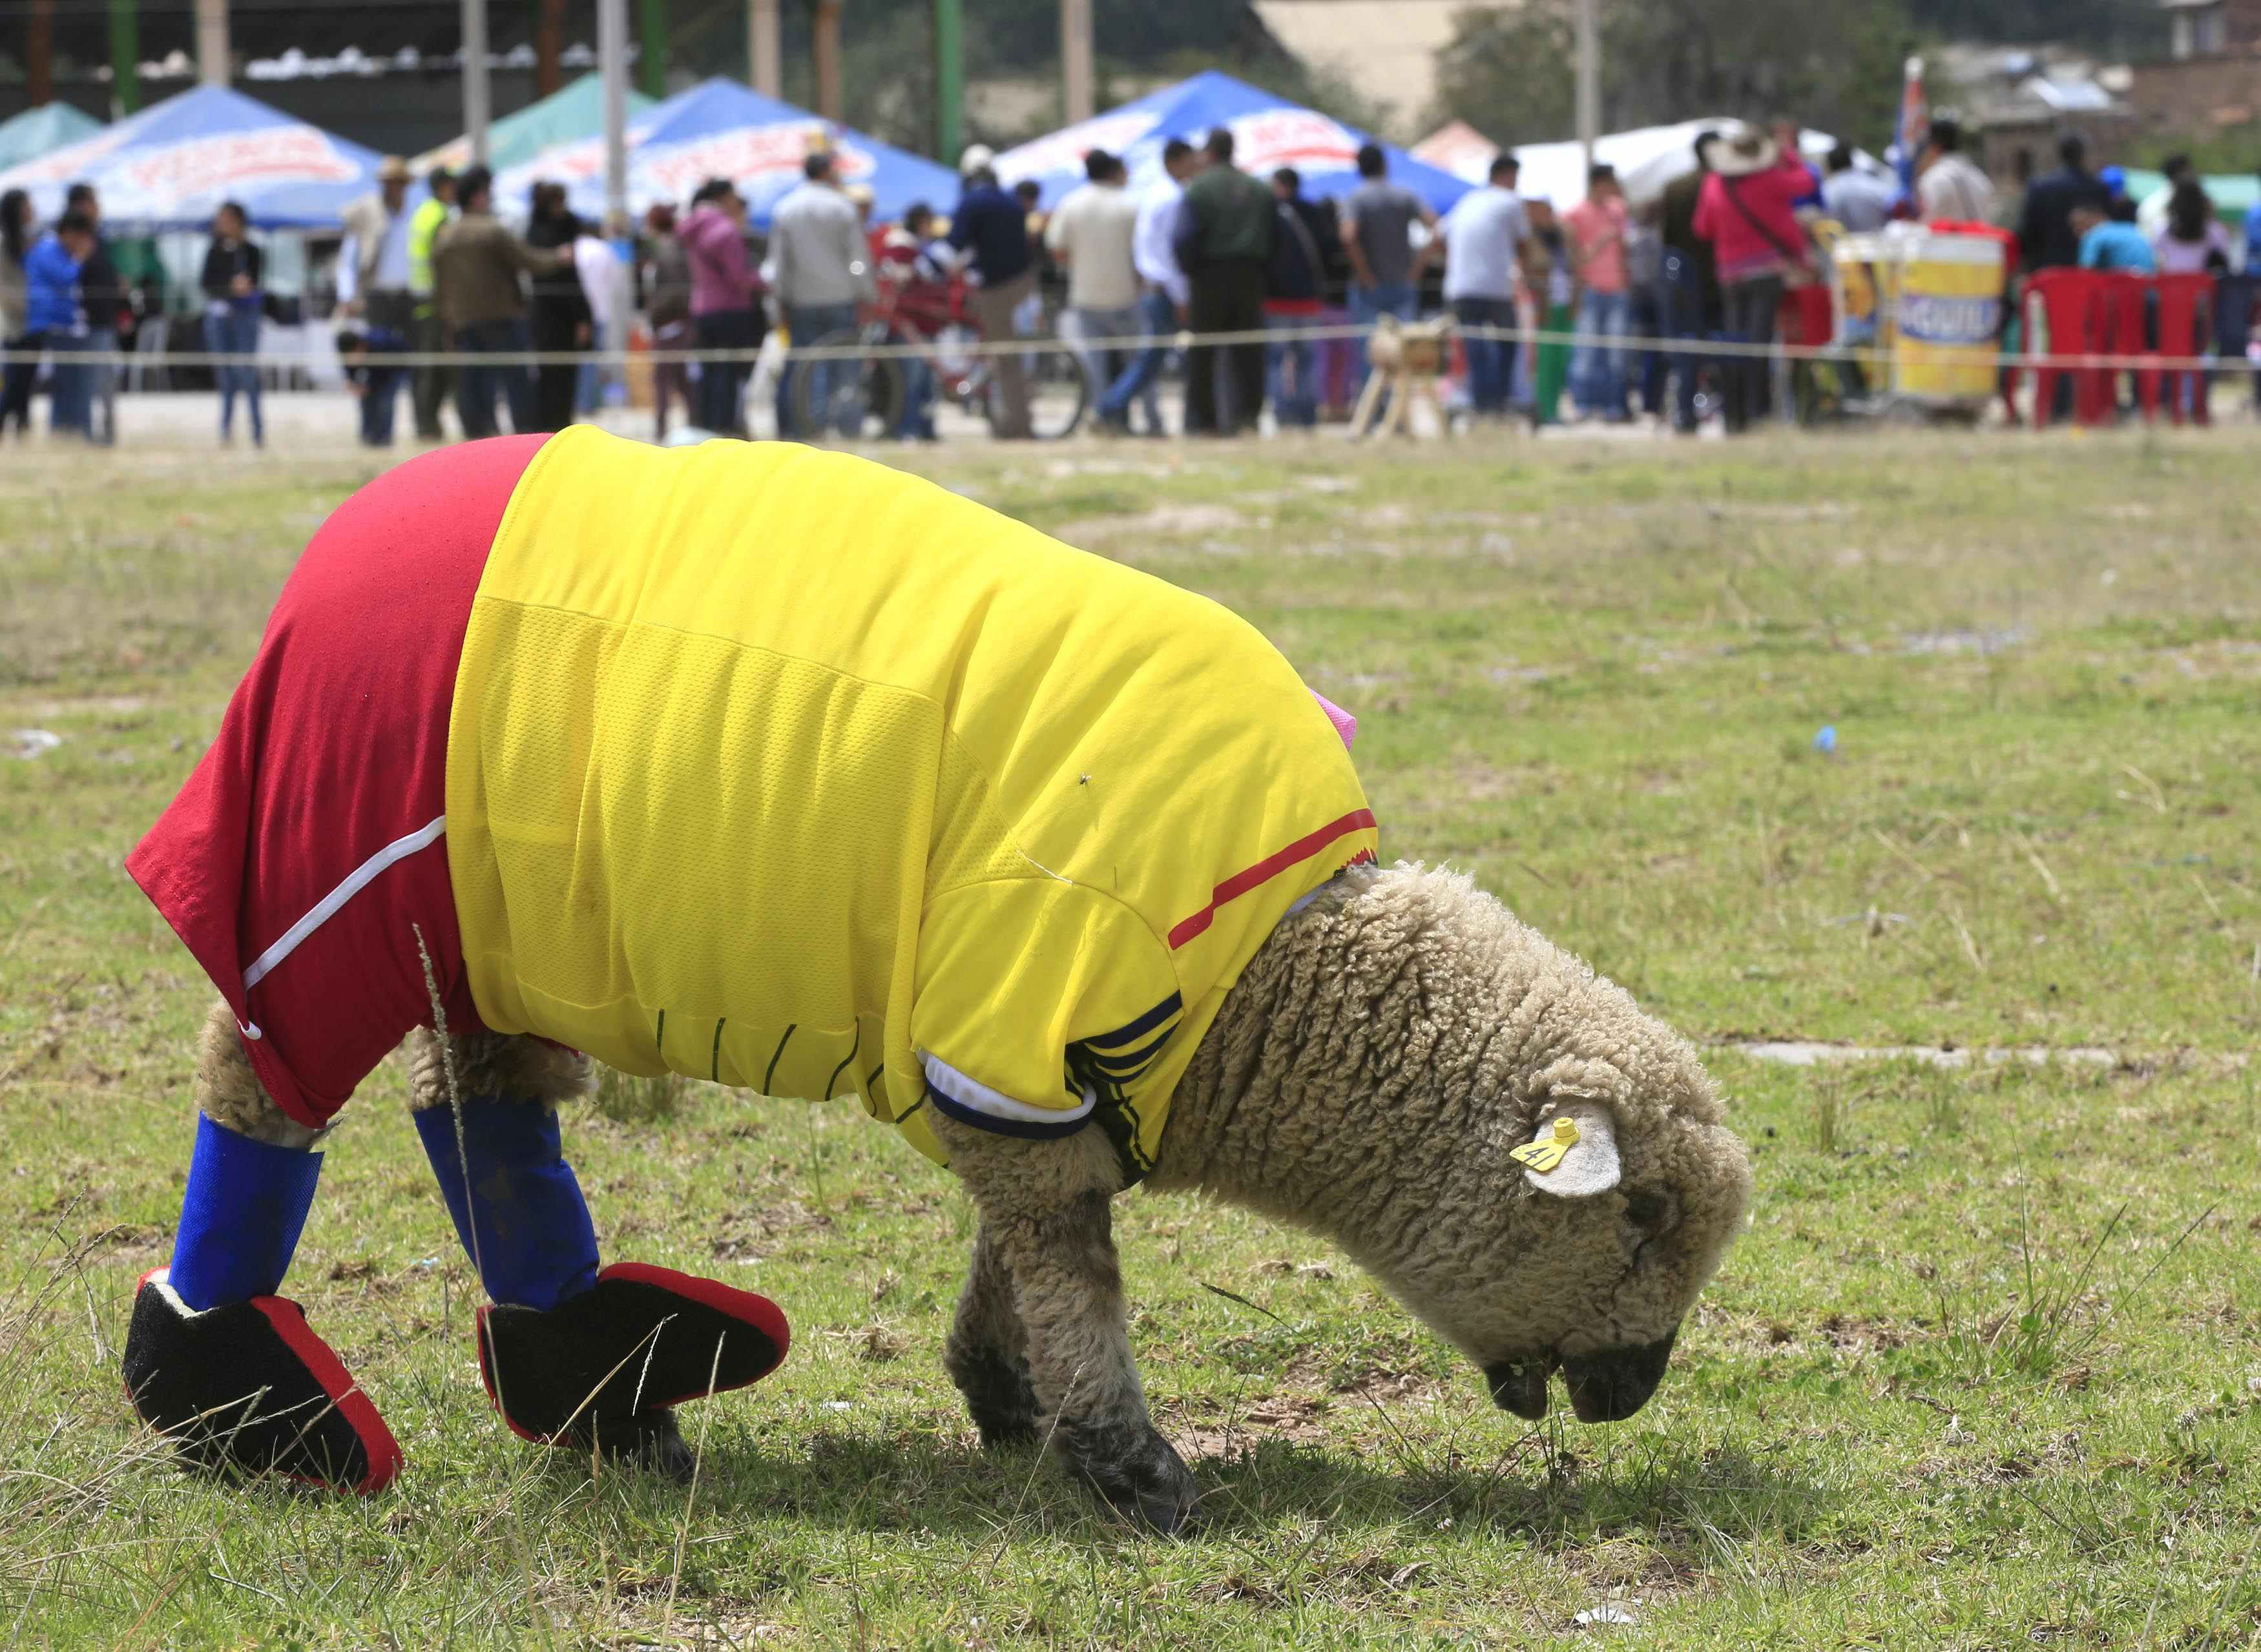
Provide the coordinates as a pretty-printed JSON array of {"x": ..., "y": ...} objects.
[
  {"x": 1601, "y": 1226},
  {"x": 1584, "y": 1188}
]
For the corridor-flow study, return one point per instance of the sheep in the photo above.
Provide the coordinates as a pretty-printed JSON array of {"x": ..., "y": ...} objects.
[
  {"x": 1117, "y": 919},
  {"x": 1369, "y": 1078}
]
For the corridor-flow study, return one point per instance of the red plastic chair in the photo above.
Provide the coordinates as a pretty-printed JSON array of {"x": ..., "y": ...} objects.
[
  {"x": 2071, "y": 304},
  {"x": 2186, "y": 319},
  {"x": 2127, "y": 305}
]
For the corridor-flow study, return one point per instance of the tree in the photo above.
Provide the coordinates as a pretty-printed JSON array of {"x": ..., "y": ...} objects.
[{"x": 1511, "y": 72}]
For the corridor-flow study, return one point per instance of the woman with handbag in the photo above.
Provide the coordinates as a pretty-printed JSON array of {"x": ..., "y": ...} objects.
[
  {"x": 1747, "y": 211},
  {"x": 234, "y": 301}
]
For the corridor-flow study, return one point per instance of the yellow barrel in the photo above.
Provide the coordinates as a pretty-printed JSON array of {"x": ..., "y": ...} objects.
[{"x": 1950, "y": 318}]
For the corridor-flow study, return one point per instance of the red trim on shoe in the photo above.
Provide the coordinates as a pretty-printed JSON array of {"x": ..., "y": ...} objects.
[
  {"x": 758, "y": 1312},
  {"x": 323, "y": 1364}
]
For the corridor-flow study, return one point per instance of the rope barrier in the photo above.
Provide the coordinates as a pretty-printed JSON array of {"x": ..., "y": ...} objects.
[{"x": 1867, "y": 356}]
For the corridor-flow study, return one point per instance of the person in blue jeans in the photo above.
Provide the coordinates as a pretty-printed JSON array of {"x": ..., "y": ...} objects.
[
  {"x": 1377, "y": 237},
  {"x": 480, "y": 382},
  {"x": 1484, "y": 236},
  {"x": 233, "y": 270},
  {"x": 806, "y": 324},
  {"x": 1164, "y": 295},
  {"x": 51, "y": 321},
  {"x": 373, "y": 377}
]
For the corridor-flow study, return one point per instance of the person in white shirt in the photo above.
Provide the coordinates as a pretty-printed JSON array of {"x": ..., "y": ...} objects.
[
  {"x": 602, "y": 265},
  {"x": 1949, "y": 187},
  {"x": 373, "y": 284},
  {"x": 1090, "y": 236},
  {"x": 823, "y": 267},
  {"x": 1483, "y": 237},
  {"x": 1163, "y": 293}
]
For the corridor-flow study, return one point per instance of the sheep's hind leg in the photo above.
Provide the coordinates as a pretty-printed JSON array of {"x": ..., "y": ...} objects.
[
  {"x": 1044, "y": 1209},
  {"x": 987, "y": 1356}
]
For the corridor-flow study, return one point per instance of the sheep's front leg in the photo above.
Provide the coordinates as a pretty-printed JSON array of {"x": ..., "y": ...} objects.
[
  {"x": 1044, "y": 1212},
  {"x": 987, "y": 1356}
]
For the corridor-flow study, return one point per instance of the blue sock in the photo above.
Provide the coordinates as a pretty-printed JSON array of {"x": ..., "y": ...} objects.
[
  {"x": 246, "y": 1204},
  {"x": 534, "y": 1246}
]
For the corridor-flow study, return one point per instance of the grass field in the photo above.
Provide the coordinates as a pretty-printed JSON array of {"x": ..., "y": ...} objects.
[{"x": 1985, "y": 1371}]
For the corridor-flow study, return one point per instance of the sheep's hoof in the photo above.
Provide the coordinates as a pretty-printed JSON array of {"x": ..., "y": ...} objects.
[
  {"x": 1137, "y": 1472},
  {"x": 649, "y": 1440}
]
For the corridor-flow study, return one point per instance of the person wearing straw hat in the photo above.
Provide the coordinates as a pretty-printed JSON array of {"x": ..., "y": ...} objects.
[
  {"x": 374, "y": 269},
  {"x": 1747, "y": 211}
]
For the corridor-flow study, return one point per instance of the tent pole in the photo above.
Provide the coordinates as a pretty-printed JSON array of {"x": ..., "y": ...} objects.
[
  {"x": 475, "y": 78},
  {"x": 765, "y": 53},
  {"x": 548, "y": 42},
  {"x": 612, "y": 64},
  {"x": 827, "y": 43},
  {"x": 212, "y": 42},
  {"x": 124, "y": 55},
  {"x": 1589, "y": 81},
  {"x": 39, "y": 55},
  {"x": 651, "y": 55},
  {"x": 1075, "y": 59},
  {"x": 949, "y": 79}
]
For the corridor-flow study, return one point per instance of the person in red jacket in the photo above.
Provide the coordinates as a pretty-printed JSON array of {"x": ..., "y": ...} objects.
[{"x": 1747, "y": 211}]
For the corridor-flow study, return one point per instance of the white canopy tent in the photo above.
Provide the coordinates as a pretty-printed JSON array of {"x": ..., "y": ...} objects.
[{"x": 1646, "y": 159}]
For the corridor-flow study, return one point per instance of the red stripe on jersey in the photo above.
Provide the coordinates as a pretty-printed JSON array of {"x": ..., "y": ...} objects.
[{"x": 1270, "y": 867}]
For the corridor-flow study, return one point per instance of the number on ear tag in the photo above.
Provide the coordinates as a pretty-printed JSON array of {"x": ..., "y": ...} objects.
[{"x": 1544, "y": 1153}]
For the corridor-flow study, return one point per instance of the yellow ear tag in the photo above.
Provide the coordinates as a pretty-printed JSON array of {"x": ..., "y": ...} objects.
[{"x": 1543, "y": 1153}]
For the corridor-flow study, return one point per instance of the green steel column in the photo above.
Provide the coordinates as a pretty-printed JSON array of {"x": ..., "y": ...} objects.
[
  {"x": 949, "y": 79},
  {"x": 651, "y": 39},
  {"x": 126, "y": 54}
]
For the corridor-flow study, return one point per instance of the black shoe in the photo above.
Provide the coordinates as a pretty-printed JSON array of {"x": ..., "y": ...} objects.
[
  {"x": 641, "y": 1340},
  {"x": 249, "y": 1387}
]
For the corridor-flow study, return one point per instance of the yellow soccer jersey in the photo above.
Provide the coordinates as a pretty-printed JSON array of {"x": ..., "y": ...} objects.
[{"x": 782, "y": 768}]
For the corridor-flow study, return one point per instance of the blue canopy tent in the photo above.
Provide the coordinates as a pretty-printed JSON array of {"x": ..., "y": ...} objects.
[
  {"x": 1269, "y": 132},
  {"x": 27, "y": 136},
  {"x": 170, "y": 167},
  {"x": 720, "y": 129}
]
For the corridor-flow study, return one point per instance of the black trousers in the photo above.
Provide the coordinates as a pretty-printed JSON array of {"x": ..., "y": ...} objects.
[
  {"x": 718, "y": 403},
  {"x": 429, "y": 387},
  {"x": 1752, "y": 307},
  {"x": 1224, "y": 383},
  {"x": 554, "y": 321}
]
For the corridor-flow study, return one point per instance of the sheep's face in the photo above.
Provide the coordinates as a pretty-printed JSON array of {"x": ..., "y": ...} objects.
[{"x": 1587, "y": 1265}]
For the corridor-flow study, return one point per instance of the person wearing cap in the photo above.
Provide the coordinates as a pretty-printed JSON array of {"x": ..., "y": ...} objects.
[
  {"x": 374, "y": 270},
  {"x": 429, "y": 385}
]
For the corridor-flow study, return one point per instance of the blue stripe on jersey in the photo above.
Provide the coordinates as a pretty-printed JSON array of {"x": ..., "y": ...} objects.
[
  {"x": 1028, "y": 1130},
  {"x": 1145, "y": 1023},
  {"x": 1119, "y": 1064}
]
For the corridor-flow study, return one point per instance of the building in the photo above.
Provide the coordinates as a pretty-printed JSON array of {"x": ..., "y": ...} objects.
[
  {"x": 1384, "y": 50},
  {"x": 2211, "y": 79}
]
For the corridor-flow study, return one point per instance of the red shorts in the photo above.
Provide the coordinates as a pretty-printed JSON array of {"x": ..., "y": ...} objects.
[{"x": 308, "y": 850}]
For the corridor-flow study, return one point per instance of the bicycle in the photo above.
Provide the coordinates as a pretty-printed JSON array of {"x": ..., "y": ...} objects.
[{"x": 867, "y": 398}]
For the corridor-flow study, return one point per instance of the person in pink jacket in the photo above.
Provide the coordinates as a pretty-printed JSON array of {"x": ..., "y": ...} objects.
[
  {"x": 1747, "y": 211},
  {"x": 726, "y": 313}
]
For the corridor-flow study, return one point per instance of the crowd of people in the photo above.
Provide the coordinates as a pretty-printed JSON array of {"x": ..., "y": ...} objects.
[
  {"x": 61, "y": 294},
  {"x": 1208, "y": 248}
]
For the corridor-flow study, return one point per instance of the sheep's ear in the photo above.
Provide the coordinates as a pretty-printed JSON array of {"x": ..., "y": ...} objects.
[{"x": 1574, "y": 1154}]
